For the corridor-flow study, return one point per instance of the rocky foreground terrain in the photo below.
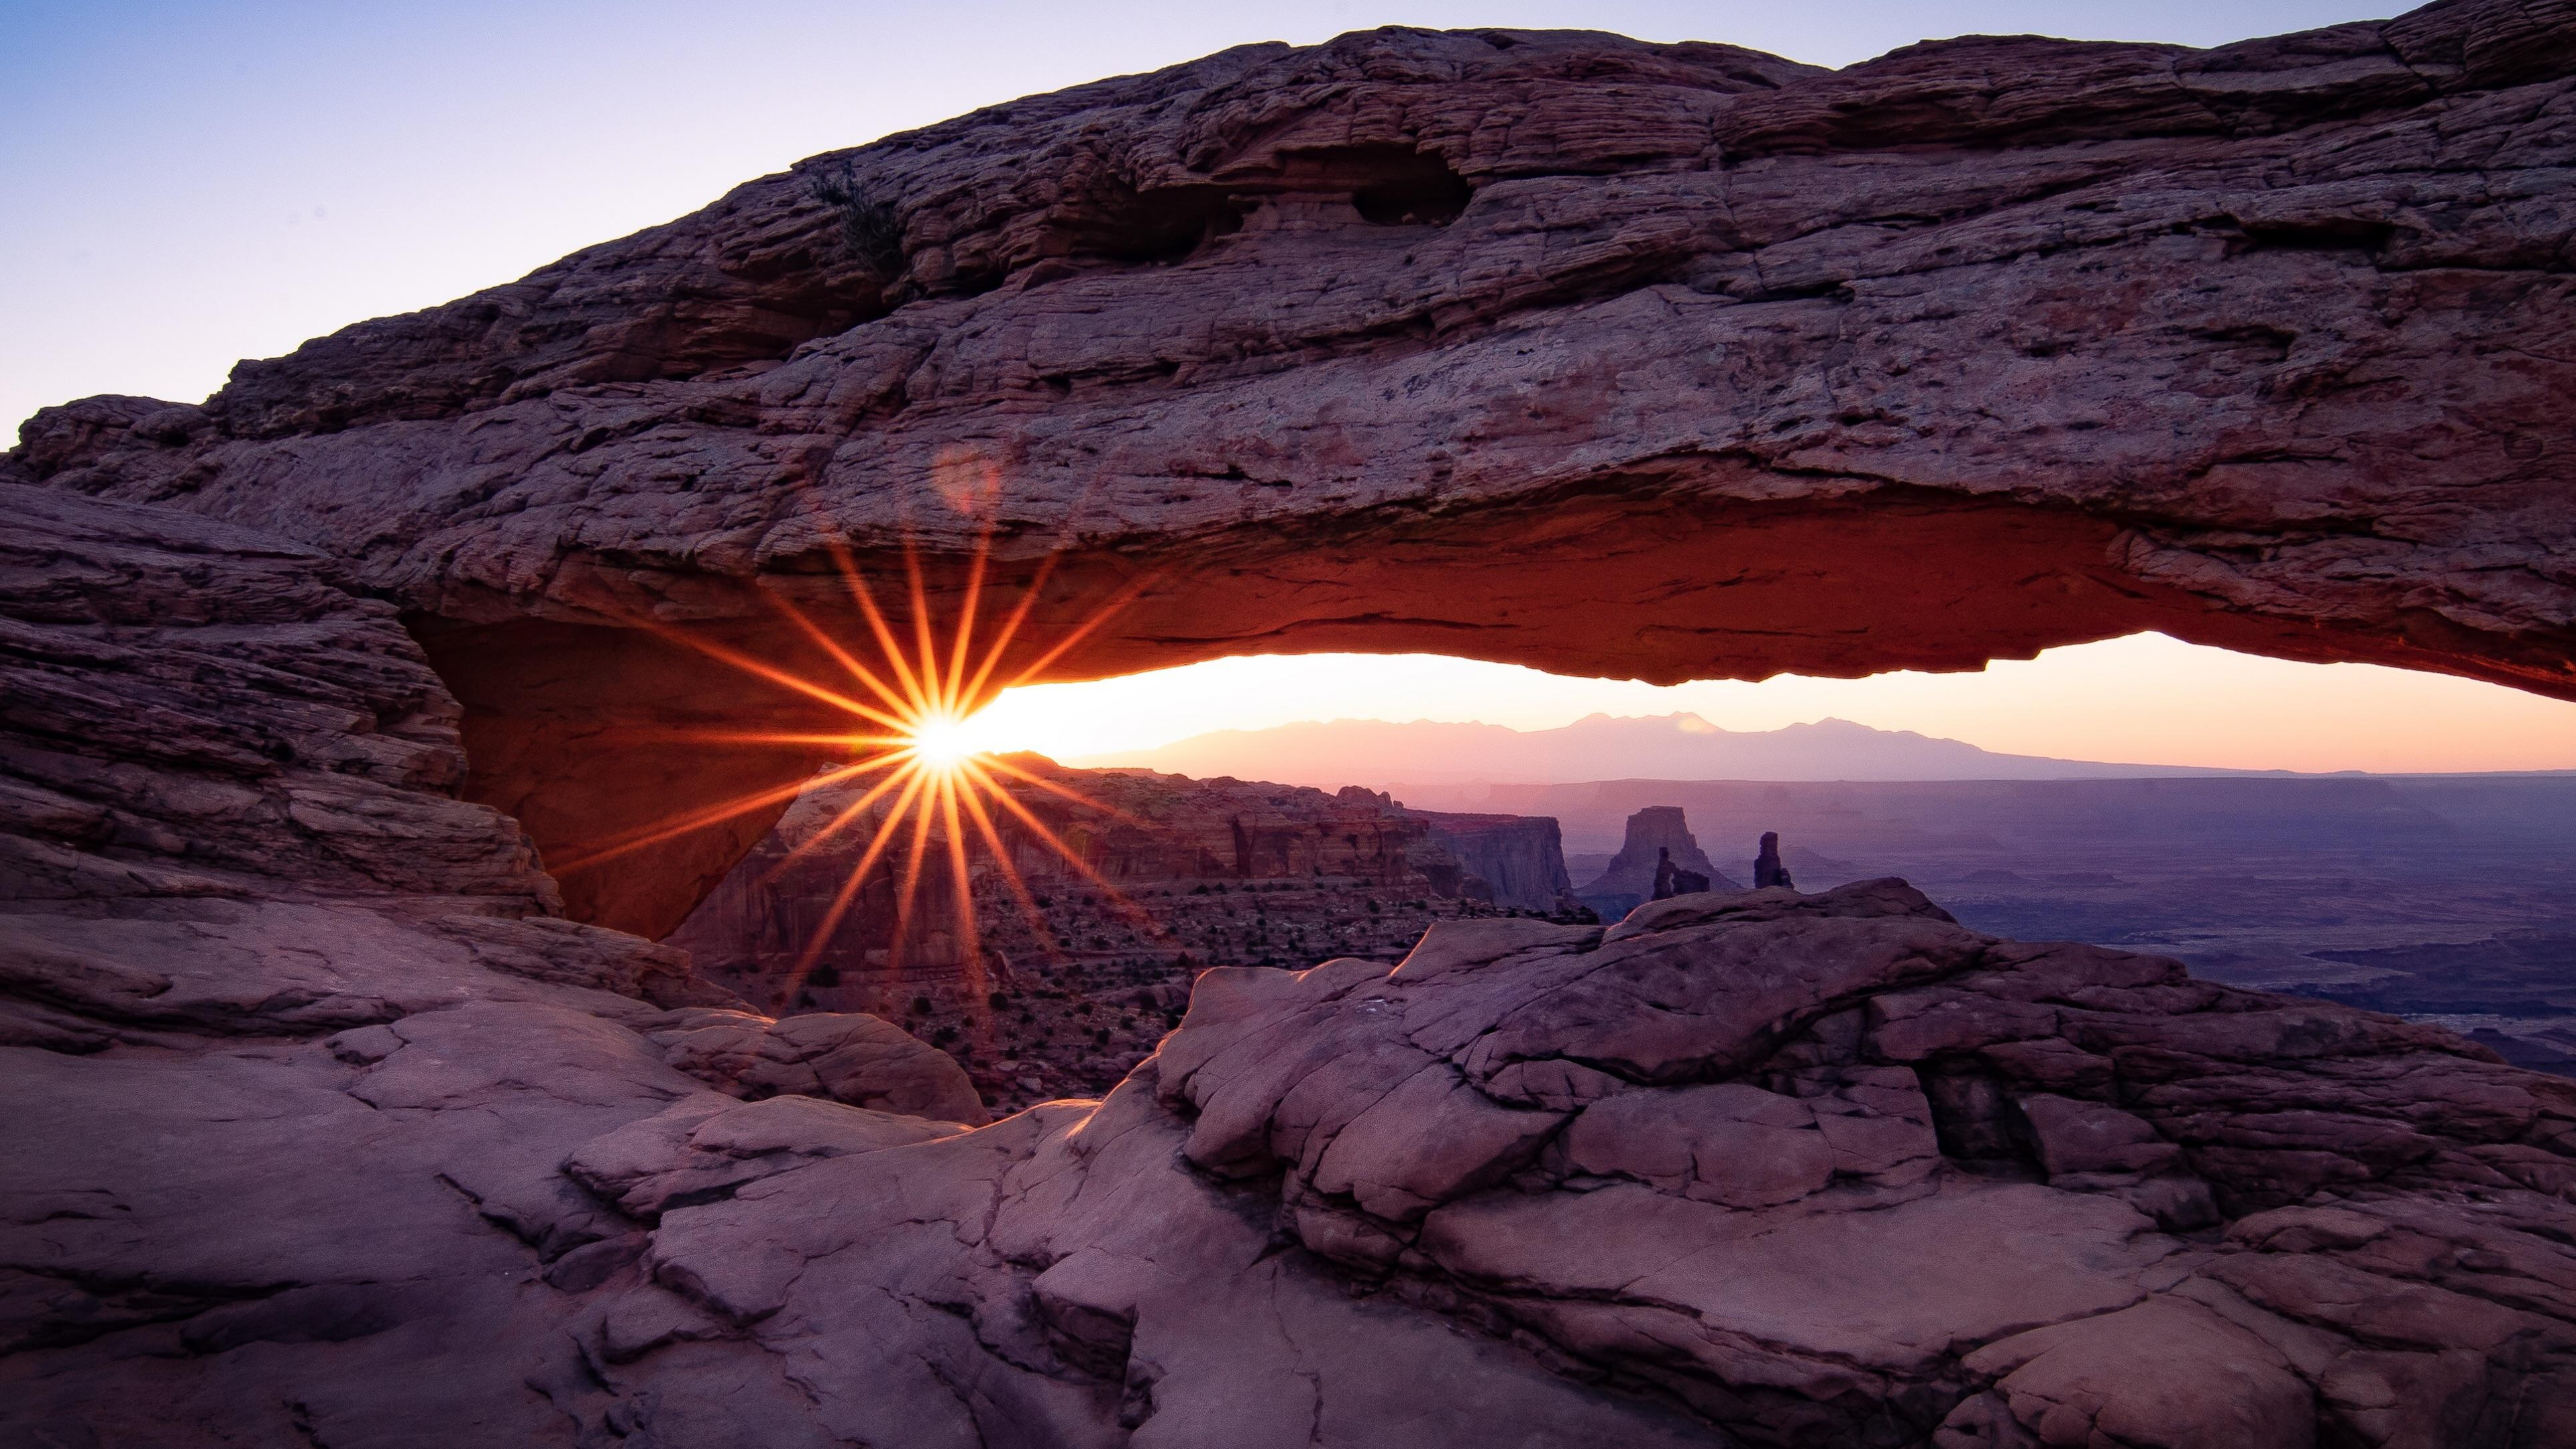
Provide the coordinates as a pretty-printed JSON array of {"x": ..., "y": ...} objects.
[
  {"x": 2442, "y": 898},
  {"x": 324, "y": 1128}
]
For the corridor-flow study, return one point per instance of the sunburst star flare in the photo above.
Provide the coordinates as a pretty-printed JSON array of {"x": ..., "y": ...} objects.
[{"x": 912, "y": 708}]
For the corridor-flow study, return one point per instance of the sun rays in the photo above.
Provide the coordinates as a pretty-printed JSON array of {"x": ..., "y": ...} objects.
[{"x": 929, "y": 796}]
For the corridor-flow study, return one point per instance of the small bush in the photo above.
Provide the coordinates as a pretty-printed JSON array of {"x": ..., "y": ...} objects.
[{"x": 870, "y": 228}]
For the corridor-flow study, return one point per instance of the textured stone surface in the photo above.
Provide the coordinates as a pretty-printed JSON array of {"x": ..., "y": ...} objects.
[
  {"x": 1519, "y": 859},
  {"x": 1077, "y": 966},
  {"x": 190, "y": 706},
  {"x": 842, "y": 1057},
  {"x": 1724, "y": 1149},
  {"x": 393, "y": 1157},
  {"x": 294, "y": 1052},
  {"x": 323, "y": 1128},
  {"x": 1471, "y": 342},
  {"x": 1706, "y": 1177}
]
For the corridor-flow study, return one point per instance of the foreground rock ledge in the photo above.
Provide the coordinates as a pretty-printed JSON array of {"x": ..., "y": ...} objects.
[
  {"x": 1473, "y": 342},
  {"x": 316, "y": 1139}
]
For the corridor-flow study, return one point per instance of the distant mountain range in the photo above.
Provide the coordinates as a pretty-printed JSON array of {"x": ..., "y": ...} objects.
[{"x": 1670, "y": 747}]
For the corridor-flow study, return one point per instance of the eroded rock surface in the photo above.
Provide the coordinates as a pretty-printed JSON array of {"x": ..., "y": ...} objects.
[
  {"x": 1520, "y": 859},
  {"x": 1471, "y": 342},
  {"x": 1754, "y": 1167},
  {"x": 1121, "y": 885},
  {"x": 396, "y": 1158},
  {"x": 843, "y": 1057},
  {"x": 297, "y": 1061}
]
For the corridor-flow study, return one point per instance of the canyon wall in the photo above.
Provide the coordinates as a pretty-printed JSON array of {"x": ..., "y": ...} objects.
[
  {"x": 1095, "y": 855},
  {"x": 1519, "y": 858},
  {"x": 1061, "y": 971},
  {"x": 1471, "y": 342}
]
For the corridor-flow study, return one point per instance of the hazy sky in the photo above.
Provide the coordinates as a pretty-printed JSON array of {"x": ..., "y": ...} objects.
[
  {"x": 191, "y": 184},
  {"x": 2145, "y": 699}
]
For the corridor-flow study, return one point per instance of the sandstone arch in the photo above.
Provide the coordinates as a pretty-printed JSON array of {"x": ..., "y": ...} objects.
[{"x": 1661, "y": 360}]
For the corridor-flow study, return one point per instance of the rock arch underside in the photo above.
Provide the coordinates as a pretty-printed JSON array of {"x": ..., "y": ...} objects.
[
  {"x": 1692, "y": 362},
  {"x": 1664, "y": 361}
]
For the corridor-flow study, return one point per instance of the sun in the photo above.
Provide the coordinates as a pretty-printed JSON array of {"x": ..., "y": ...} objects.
[
  {"x": 941, "y": 741},
  {"x": 921, "y": 744}
]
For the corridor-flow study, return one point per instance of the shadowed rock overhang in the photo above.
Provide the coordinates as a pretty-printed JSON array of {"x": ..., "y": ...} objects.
[{"x": 1665, "y": 361}]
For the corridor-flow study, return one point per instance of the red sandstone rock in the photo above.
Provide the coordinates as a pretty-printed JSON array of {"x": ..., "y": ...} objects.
[
  {"x": 1475, "y": 342},
  {"x": 1302, "y": 872},
  {"x": 390, "y": 1156},
  {"x": 852, "y": 1058},
  {"x": 1074, "y": 973},
  {"x": 701, "y": 1151},
  {"x": 294, "y": 1056}
]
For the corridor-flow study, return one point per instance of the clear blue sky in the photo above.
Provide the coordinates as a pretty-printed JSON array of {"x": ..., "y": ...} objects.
[{"x": 191, "y": 184}]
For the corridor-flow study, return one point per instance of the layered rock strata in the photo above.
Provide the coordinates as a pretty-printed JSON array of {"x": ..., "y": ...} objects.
[
  {"x": 1069, "y": 966},
  {"x": 1520, "y": 859},
  {"x": 1117, "y": 865},
  {"x": 1467, "y": 342},
  {"x": 394, "y": 1157},
  {"x": 296, "y": 1045}
]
